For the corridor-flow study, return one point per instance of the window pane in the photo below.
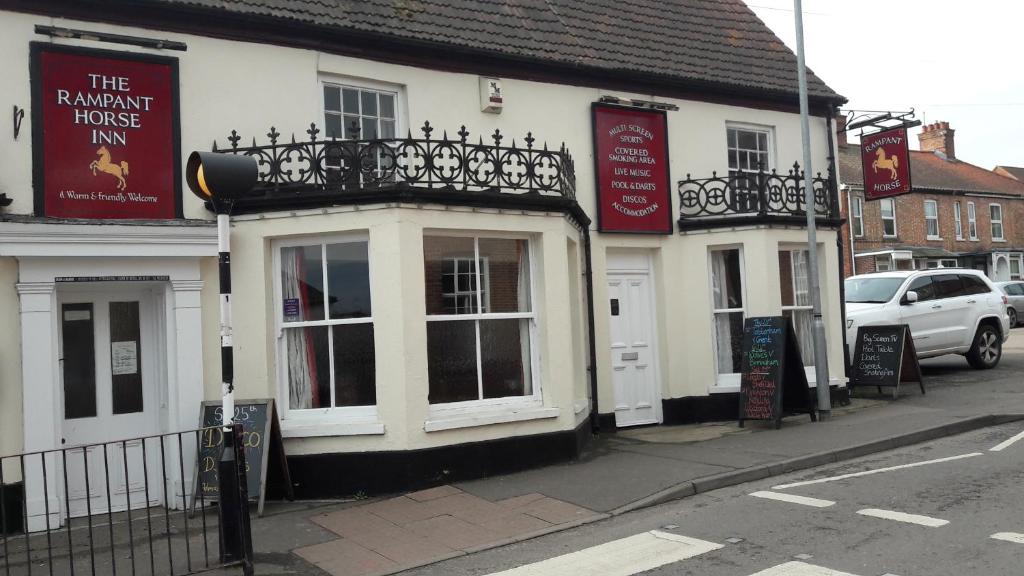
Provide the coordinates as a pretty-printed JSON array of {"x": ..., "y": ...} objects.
[
  {"x": 387, "y": 129},
  {"x": 996, "y": 211},
  {"x": 350, "y": 100},
  {"x": 369, "y": 100},
  {"x": 333, "y": 124},
  {"x": 786, "y": 278},
  {"x": 506, "y": 275},
  {"x": 387, "y": 105},
  {"x": 332, "y": 98},
  {"x": 440, "y": 253},
  {"x": 125, "y": 362},
  {"x": 929, "y": 209},
  {"x": 886, "y": 207},
  {"x": 804, "y": 335},
  {"x": 348, "y": 280},
  {"x": 79, "y": 360},
  {"x": 729, "y": 341},
  {"x": 733, "y": 160},
  {"x": 369, "y": 129},
  {"x": 355, "y": 370},
  {"x": 309, "y": 368},
  {"x": 351, "y": 127},
  {"x": 973, "y": 284},
  {"x": 451, "y": 361},
  {"x": 302, "y": 283},
  {"x": 925, "y": 288},
  {"x": 731, "y": 136},
  {"x": 762, "y": 141},
  {"x": 948, "y": 286},
  {"x": 725, "y": 279},
  {"x": 747, "y": 140},
  {"x": 505, "y": 357}
]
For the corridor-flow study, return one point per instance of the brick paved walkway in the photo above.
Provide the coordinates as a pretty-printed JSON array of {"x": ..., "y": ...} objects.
[{"x": 431, "y": 525}]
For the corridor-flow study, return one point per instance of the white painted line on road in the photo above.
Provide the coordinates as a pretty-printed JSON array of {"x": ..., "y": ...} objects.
[
  {"x": 793, "y": 498},
  {"x": 800, "y": 569},
  {"x": 876, "y": 471},
  {"x": 1009, "y": 537},
  {"x": 623, "y": 557},
  {"x": 1006, "y": 443},
  {"x": 903, "y": 517}
]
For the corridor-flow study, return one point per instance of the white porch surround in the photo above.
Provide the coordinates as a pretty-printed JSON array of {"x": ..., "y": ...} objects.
[{"x": 49, "y": 251}]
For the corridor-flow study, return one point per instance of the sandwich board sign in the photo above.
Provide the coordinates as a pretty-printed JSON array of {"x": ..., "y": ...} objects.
[
  {"x": 885, "y": 357},
  {"x": 773, "y": 382}
]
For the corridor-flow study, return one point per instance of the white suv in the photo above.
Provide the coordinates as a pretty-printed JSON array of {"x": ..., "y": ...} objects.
[{"x": 949, "y": 311}]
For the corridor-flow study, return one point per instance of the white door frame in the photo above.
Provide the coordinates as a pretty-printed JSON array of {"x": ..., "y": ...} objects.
[{"x": 636, "y": 263}]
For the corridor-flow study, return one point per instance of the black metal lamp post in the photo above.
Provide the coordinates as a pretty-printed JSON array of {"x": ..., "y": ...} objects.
[{"x": 220, "y": 179}]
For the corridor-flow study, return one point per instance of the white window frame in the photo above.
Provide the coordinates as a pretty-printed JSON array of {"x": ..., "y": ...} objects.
[
  {"x": 365, "y": 86},
  {"x": 957, "y": 221},
  {"x": 881, "y": 210},
  {"x": 769, "y": 131},
  {"x": 332, "y": 420},
  {"x": 1018, "y": 259},
  {"x": 993, "y": 222},
  {"x": 809, "y": 368},
  {"x": 929, "y": 219},
  {"x": 728, "y": 382},
  {"x": 453, "y": 410},
  {"x": 858, "y": 217},
  {"x": 972, "y": 221},
  {"x": 883, "y": 264}
]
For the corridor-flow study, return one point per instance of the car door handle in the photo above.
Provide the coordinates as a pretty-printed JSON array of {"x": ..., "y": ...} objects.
[
  {"x": 630, "y": 356},
  {"x": 971, "y": 301},
  {"x": 936, "y": 306}
]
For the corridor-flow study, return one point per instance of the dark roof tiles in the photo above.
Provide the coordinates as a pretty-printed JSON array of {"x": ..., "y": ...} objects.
[{"x": 929, "y": 171}]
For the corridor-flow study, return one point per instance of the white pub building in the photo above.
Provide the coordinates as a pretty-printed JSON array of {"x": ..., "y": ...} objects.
[{"x": 481, "y": 231}]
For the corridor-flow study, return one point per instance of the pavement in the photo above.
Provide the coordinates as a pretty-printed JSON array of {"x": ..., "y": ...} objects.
[{"x": 625, "y": 471}]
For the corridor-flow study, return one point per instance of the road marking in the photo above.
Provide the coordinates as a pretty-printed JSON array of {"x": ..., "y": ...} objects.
[
  {"x": 800, "y": 569},
  {"x": 1009, "y": 537},
  {"x": 1006, "y": 443},
  {"x": 876, "y": 471},
  {"x": 623, "y": 557},
  {"x": 903, "y": 517},
  {"x": 793, "y": 498}
]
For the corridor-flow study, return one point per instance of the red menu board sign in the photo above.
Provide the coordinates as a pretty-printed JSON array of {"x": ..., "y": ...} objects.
[
  {"x": 885, "y": 160},
  {"x": 105, "y": 134},
  {"x": 631, "y": 163}
]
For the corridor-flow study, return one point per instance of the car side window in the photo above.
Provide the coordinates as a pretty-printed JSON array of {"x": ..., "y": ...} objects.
[
  {"x": 924, "y": 287},
  {"x": 1015, "y": 289},
  {"x": 973, "y": 284},
  {"x": 948, "y": 286}
]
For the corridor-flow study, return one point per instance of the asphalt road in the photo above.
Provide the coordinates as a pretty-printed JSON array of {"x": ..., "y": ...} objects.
[{"x": 934, "y": 518}]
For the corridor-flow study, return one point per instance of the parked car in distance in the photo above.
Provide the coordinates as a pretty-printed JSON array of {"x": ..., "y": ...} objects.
[
  {"x": 1014, "y": 291},
  {"x": 948, "y": 310}
]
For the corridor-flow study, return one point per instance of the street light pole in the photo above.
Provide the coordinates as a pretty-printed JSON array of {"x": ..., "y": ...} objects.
[{"x": 820, "y": 350}]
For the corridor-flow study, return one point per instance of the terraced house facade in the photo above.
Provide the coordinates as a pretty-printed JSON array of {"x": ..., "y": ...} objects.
[{"x": 482, "y": 230}]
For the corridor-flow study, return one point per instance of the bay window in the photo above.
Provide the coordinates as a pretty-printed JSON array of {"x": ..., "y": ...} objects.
[
  {"x": 480, "y": 319},
  {"x": 326, "y": 324}
]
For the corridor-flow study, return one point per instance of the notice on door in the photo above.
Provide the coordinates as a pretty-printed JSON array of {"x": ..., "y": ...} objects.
[{"x": 124, "y": 358}]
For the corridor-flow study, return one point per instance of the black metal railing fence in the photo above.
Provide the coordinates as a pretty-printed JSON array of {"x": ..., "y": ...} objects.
[{"x": 123, "y": 507}]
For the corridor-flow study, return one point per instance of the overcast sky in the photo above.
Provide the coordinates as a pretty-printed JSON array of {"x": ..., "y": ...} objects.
[{"x": 949, "y": 60}]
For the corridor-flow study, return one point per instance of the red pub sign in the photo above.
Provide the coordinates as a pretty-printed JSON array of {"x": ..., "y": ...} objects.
[
  {"x": 631, "y": 162},
  {"x": 105, "y": 134},
  {"x": 885, "y": 160}
]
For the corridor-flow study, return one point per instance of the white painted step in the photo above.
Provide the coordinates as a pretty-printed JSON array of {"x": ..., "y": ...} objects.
[{"x": 623, "y": 557}]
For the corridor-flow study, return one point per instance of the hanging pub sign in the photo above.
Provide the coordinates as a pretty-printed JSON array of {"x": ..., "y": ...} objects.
[
  {"x": 885, "y": 160},
  {"x": 105, "y": 134},
  {"x": 631, "y": 165}
]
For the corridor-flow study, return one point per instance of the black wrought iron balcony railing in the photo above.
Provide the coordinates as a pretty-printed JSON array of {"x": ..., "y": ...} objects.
[
  {"x": 341, "y": 170},
  {"x": 754, "y": 197}
]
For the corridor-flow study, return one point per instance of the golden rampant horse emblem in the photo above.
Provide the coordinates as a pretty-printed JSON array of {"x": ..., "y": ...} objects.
[
  {"x": 891, "y": 163},
  {"x": 104, "y": 164}
]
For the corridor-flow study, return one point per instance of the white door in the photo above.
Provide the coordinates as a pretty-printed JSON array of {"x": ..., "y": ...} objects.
[
  {"x": 634, "y": 357},
  {"x": 109, "y": 390}
]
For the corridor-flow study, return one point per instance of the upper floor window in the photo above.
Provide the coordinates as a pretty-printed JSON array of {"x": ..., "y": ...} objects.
[
  {"x": 996, "y": 213},
  {"x": 956, "y": 221},
  {"x": 972, "y": 222},
  {"x": 349, "y": 108},
  {"x": 931, "y": 219},
  {"x": 326, "y": 323},
  {"x": 480, "y": 319},
  {"x": 858, "y": 217},
  {"x": 749, "y": 149},
  {"x": 888, "y": 208}
]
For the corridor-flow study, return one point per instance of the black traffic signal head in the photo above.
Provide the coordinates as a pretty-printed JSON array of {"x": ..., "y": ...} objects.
[{"x": 220, "y": 178}]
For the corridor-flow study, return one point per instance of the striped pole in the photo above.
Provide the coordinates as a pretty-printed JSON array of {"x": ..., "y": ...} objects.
[{"x": 227, "y": 363}]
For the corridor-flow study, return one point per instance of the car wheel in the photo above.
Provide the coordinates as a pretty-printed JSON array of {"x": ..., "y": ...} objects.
[
  {"x": 987, "y": 348},
  {"x": 1013, "y": 317}
]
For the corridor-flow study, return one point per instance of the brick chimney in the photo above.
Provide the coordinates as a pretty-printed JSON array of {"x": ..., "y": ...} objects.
[
  {"x": 937, "y": 137},
  {"x": 841, "y": 129}
]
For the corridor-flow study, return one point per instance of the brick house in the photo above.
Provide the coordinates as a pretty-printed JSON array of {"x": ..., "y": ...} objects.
[{"x": 957, "y": 214}]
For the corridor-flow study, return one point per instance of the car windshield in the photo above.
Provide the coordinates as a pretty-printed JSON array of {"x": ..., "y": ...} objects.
[{"x": 873, "y": 290}]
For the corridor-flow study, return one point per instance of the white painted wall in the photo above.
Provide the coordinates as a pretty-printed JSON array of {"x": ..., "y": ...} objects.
[{"x": 250, "y": 87}]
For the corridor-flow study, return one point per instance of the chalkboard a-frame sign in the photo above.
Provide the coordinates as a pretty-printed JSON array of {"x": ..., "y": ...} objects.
[
  {"x": 884, "y": 356},
  {"x": 773, "y": 382},
  {"x": 261, "y": 436}
]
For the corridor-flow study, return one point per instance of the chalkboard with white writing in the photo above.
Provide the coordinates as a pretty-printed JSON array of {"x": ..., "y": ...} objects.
[
  {"x": 884, "y": 356},
  {"x": 773, "y": 382}
]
